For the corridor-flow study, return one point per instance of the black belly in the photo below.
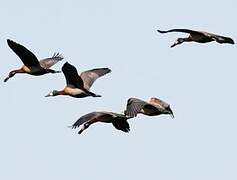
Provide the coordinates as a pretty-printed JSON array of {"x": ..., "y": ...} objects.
[
  {"x": 205, "y": 40},
  {"x": 152, "y": 113},
  {"x": 82, "y": 95},
  {"x": 38, "y": 73}
]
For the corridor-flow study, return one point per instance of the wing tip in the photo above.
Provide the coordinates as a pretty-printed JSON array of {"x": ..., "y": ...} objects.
[
  {"x": 126, "y": 130},
  {"x": 10, "y": 42},
  {"x": 133, "y": 98},
  {"x": 58, "y": 56},
  {"x": 75, "y": 125},
  {"x": 108, "y": 70},
  {"x": 160, "y": 31},
  {"x": 232, "y": 41},
  {"x": 65, "y": 65}
]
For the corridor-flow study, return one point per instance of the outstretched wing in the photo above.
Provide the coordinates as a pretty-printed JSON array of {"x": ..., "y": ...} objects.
[
  {"x": 86, "y": 118},
  {"x": 48, "y": 62},
  {"x": 134, "y": 106},
  {"x": 221, "y": 39},
  {"x": 181, "y": 30},
  {"x": 26, "y": 56},
  {"x": 71, "y": 75},
  {"x": 90, "y": 76},
  {"x": 121, "y": 124}
]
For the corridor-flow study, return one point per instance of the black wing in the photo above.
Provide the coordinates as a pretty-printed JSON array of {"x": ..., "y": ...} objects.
[
  {"x": 121, "y": 124},
  {"x": 26, "y": 56},
  {"x": 180, "y": 30},
  {"x": 71, "y": 75},
  {"x": 134, "y": 106}
]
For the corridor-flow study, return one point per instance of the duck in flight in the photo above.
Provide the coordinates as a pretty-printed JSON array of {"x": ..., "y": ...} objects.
[
  {"x": 31, "y": 64},
  {"x": 199, "y": 37},
  {"x": 79, "y": 86},
  {"x": 119, "y": 121},
  {"x": 154, "y": 107}
]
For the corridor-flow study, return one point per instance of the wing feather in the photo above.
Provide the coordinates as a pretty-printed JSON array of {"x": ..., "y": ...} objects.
[
  {"x": 155, "y": 101},
  {"x": 180, "y": 30},
  {"x": 134, "y": 106},
  {"x": 26, "y": 56},
  {"x": 90, "y": 76},
  {"x": 71, "y": 75},
  {"x": 49, "y": 62},
  {"x": 86, "y": 118}
]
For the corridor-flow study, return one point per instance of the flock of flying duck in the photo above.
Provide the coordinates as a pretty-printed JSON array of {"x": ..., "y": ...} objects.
[{"x": 78, "y": 86}]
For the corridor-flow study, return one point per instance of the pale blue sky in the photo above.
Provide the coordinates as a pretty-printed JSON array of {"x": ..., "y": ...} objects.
[{"x": 198, "y": 80}]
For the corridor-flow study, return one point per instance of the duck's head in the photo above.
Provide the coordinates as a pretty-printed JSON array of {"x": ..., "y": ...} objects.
[
  {"x": 177, "y": 42},
  {"x": 11, "y": 74},
  {"x": 53, "y": 93}
]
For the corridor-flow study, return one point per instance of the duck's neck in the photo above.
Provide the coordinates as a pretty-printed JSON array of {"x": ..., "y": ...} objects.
[
  {"x": 13, "y": 73},
  {"x": 17, "y": 71},
  {"x": 56, "y": 93}
]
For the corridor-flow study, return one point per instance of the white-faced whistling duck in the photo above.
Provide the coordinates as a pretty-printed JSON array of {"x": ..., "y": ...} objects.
[
  {"x": 31, "y": 64},
  {"x": 154, "y": 107},
  {"x": 79, "y": 86},
  {"x": 199, "y": 36},
  {"x": 119, "y": 121}
]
